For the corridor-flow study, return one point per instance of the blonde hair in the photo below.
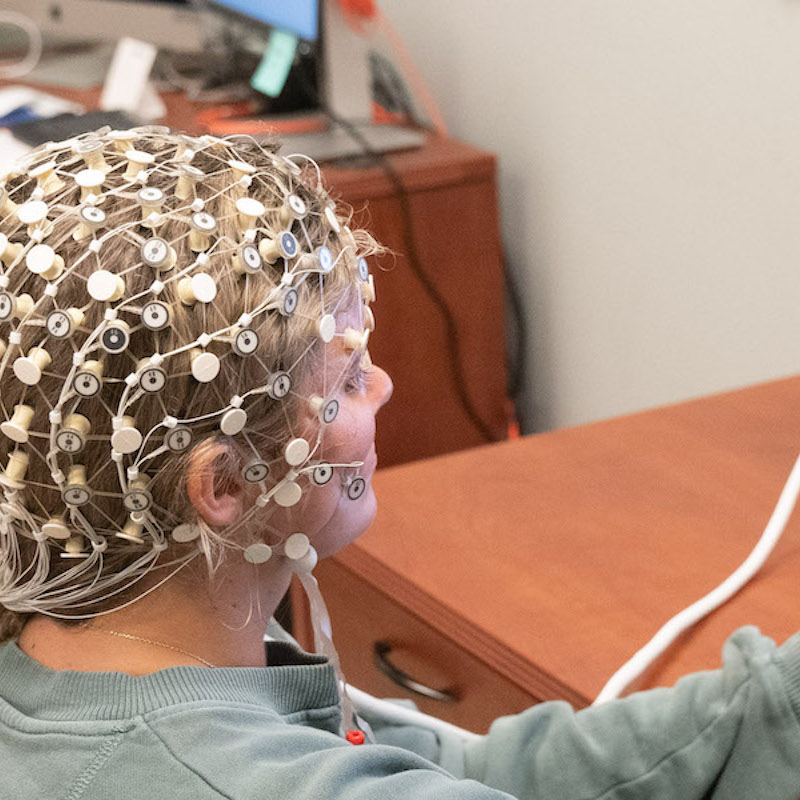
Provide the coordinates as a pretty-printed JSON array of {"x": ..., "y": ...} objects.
[{"x": 90, "y": 571}]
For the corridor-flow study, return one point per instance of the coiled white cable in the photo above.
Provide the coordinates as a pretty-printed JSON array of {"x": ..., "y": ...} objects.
[
  {"x": 695, "y": 612},
  {"x": 21, "y": 68}
]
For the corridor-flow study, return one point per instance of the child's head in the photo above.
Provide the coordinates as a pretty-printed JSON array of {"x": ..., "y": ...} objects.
[{"x": 183, "y": 321}]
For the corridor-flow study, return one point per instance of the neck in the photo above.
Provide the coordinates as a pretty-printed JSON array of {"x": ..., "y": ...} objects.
[{"x": 221, "y": 622}]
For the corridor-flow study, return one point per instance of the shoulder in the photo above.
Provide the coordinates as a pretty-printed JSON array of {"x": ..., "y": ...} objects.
[{"x": 248, "y": 752}]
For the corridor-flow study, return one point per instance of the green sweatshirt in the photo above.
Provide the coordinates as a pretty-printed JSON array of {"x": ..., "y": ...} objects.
[{"x": 236, "y": 733}]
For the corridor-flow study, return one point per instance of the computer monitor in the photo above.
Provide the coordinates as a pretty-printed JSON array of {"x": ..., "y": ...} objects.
[
  {"x": 344, "y": 67},
  {"x": 300, "y": 17},
  {"x": 171, "y": 24}
]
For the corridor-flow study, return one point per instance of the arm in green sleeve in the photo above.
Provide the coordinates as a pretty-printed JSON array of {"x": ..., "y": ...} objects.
[{"x": 729, "y": 733}]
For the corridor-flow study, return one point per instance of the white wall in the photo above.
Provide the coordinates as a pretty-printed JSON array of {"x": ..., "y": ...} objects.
[{"x": 650, "y": 185}]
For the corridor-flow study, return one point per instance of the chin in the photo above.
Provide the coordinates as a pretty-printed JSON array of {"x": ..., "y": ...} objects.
[{"x": 340, "y": 532}]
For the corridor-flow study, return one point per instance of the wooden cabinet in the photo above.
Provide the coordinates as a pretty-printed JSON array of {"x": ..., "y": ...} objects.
[
  {"x": 532, "y": 569},
  {"x": 363, "y": 616},
  {"x": 452, "y": 204}
]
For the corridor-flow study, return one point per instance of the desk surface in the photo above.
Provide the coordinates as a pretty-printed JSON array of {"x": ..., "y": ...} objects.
[{"x": 557, "y": 556}]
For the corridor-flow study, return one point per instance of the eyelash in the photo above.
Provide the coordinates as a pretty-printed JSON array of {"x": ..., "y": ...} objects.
[{"x": 356, "y": 381}]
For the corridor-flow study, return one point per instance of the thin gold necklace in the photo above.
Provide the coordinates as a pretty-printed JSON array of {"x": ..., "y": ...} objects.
[{"x": 157, "y": 644}]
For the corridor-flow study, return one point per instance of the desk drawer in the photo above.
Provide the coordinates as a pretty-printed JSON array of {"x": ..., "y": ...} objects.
[{"x": 363, "y": 616}]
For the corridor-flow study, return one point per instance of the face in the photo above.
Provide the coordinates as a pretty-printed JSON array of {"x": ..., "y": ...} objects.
[{"x": 326, "y": 514}]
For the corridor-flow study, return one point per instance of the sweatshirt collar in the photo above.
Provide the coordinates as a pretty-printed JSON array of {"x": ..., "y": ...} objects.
[{"x": 295, "y": 681}]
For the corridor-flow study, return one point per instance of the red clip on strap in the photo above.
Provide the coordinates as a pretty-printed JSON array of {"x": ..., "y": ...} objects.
[{"x": 355, "y": 737}]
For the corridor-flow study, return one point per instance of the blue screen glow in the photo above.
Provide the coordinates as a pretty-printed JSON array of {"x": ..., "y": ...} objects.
[{"x": 299, "y": 17}]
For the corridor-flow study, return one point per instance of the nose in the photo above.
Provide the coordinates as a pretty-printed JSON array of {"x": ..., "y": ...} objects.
[{"x": 383, "y": 387}]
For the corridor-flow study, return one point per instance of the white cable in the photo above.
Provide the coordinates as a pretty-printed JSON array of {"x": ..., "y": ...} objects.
[
  {"x": 21, "y": 68},
  {"x": 400, "y": 715},
  {"x": 695, "y": 612}
]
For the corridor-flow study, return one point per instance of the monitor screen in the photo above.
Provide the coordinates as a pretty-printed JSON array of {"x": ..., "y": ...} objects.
[{"x": 300, "y": 17}]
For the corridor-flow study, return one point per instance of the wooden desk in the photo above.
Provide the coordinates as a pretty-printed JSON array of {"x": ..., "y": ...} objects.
[{"x": 533, "y": 569}]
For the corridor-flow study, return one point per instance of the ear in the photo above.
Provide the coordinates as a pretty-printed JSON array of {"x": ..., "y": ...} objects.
[{"x": 212, "y": 485}]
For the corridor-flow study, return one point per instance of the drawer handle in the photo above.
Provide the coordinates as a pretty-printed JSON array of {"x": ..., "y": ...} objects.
[{"x": 381, "y": 652}]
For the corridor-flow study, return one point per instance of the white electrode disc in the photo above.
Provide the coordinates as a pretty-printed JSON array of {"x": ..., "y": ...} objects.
[
  {"x": 92, "y": 215},
  {"x": 76, "y": 495},
  {"x": 279, "y": 385},
  {"x": 306, "y": 563},
  {"x": 203, "y": 221},
  {"x": 14, "y": 432},
  {"x": 329, "y": 411},
  {"x": 233, "y": 421},
  {"x": 140, "y": 157},
  {"x": 56, "y": 530},
  {"x": 332, "y": 221},
  {"x": 288, "y": 302},
  {"x": 325, "y": 258},
  {"x": 245, "y": 343},
  {"x": 102, "y": 285},
  {"x": 205, "y": 367},
  {"x": 185, "y": 533},
  {"x": 204, "y": 288},
  {"x": 7, "y": 304},
  {"x": 241, "y": 166},
  {"x": 69, "y": 441},
  {"x": 297, "y": 205},
  {"x": 137, "y": 500},
  {"x": 32, "y": 212},
  {"x": 356, "y": 488},
  {"x": 115, "y": 337},
  {"x": 153, "y": 379},
  {"x": 287, "y": 244},
  {"x": 250, "y": 207},
  {"x": 327, "y": 328},
  {"x": 288, "y": 494},
  {"x": 27, "y": 371},
  {"x": 40, "y": 258},
  {"x": 150, "y": 195},
  {"x": 86, "y": 384},
  {"x": 155, "y": 315},
  {"x": 257, "y": 553},
  {"x": 255, "y": 471},
  {"x": 321, "y": 474},
  {"x": 296, "y": 452},
  {"x": 90, "y": 178},
  {"x": 250, "y": 258},
  {"x": 178, "y": 439},
  {"x": 42, "y": 169},
  {"x": 126, "y": 440},
  {"x": 296, "y": 546},
  {"x": 155, "y": 251}
]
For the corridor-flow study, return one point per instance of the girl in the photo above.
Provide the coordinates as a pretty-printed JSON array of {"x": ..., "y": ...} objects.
[{"x": 188, "y": 415}]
